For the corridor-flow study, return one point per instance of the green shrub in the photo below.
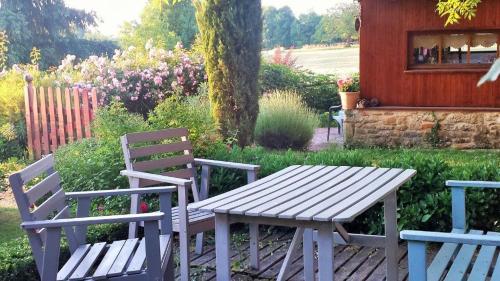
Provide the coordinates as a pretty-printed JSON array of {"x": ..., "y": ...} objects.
[
  {"x": 6, "y": 168},
  {"x": 192, "y": 113},
  {"x": 284, "y": 121},
  {"x": 424, "y": 203},
  {"x": 318, "y": 91}
]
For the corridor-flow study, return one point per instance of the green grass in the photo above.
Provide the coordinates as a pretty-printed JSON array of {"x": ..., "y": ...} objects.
[
  {"x": 9, "y": 224},
  {"x": 326, "y": 60}
]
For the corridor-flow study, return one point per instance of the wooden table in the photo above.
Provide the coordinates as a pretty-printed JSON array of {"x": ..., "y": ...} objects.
[{"x": 311, "y": 198}]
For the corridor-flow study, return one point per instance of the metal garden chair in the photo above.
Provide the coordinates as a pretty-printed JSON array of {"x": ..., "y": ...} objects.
[
  {"x": 339, "y": 119},
  {"x": 454, "y": 261},
  {"x": 166, "y": 157},
  {"x": 45, "y": 213}
]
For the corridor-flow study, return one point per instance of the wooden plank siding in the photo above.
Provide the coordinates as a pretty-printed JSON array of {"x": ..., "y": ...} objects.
[
  {"x": 385, "y": 29},
  {"x": 54, "y": 116}
]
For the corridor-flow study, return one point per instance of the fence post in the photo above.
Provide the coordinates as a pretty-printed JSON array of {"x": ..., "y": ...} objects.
[{"x": 28, "y": 97}]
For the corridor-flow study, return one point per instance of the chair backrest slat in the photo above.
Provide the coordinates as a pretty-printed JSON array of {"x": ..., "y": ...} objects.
[
  {"x": 156, "y": 135},
  {"x": 149, "y": 165},
  {"x": 55, "y": 203},
  {"x": 44, "y": 165},
  {"x": 49, "y": 184},
  {"x": 159, "y": 148}
]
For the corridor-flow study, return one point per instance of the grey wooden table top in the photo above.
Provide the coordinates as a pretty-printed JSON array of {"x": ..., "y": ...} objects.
[{"x": 311, "y": 193}]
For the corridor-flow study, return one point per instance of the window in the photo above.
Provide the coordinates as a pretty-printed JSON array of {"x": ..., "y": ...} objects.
[{"x": 453, "y": 50}]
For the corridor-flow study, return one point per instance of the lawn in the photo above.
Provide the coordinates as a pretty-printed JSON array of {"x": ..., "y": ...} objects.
[
  {"x": 9, "y": 224},
  {"x": 326, "y": 60}
]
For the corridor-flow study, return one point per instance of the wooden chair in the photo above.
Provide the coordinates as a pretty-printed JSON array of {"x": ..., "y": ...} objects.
[
  {"x": 454, "y": 261},
  {"x": 44, "y": 214},
  {"x": 166, "y": 157},
  {"x": 339, "y": 119}
]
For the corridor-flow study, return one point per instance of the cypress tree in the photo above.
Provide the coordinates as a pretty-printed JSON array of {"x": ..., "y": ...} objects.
[{"x": 231, "y": 33}]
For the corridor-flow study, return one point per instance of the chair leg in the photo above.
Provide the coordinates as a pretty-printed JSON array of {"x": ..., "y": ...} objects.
[
  {"x": 328, "y": 134},
  {"x": 169, "y": 273},
  {"x": 199, "y": 243}
]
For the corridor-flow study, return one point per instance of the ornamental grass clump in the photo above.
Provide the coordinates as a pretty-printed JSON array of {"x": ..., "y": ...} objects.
[{"x": 284, "y": 121}]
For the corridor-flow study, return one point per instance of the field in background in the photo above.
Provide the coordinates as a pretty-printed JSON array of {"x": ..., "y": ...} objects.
[{"x": 326, "y": 60}]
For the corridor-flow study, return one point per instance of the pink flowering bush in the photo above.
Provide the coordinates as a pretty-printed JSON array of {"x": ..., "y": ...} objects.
[
  {"x": 286, "y": 59},
  {"x": 349, "y": 84},
  {"x": 140, "y": 79}
]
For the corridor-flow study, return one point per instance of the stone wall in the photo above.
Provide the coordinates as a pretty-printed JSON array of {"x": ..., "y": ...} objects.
[{"x": 408, "y": 128}]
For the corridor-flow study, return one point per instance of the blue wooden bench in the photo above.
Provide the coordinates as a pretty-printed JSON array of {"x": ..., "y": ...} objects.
[{"x": 464, "y": 255}]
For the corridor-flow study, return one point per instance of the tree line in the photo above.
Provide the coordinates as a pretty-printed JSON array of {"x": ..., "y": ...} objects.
[{"x": 282, "y": 28}]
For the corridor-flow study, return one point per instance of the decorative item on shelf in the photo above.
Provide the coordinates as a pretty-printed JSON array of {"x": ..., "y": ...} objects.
[
  {"x": 374, "y": 102},
  {"x": 363, "y": 103},
  {"x": 349, "y": 91}
]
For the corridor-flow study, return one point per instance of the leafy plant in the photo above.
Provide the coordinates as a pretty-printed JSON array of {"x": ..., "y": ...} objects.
[
  {"x": 455, "y": 10},
  {"x": 284, "y": 121},
  {"x": 318, "y": 91}
]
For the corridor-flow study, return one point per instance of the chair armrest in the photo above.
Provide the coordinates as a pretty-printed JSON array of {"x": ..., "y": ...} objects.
[
  {"x": 335, "y": 108},
  {"x": 479, "y": 184},
  {"x": 116, "y": 192},
  {"x": 154, "y": 177},
  {"x": 92, "y": 220},
  {"x": 457, "y": 238},
  {"x": 224, "y": 164}
]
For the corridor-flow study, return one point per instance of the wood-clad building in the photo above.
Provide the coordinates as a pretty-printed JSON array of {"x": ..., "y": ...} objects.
[{"x": 414, "y": 65}]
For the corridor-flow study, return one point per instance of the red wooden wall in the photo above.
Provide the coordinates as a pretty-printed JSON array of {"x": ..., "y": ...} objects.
[{"x": 383, "y": 60}]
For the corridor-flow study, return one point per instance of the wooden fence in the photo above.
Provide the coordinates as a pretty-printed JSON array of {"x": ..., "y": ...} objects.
[{"x": 55, "y": 117}]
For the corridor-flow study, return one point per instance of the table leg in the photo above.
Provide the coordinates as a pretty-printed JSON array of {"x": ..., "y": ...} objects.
[
  {"x": 308, "y": 255},
  {"x": 391, "y": 236},
  {"x": 222, "y": 243},
  {"x": 325, "y": 252},
  {"x": 289, "y": 254},
  {"x": 254, "y": 246}
]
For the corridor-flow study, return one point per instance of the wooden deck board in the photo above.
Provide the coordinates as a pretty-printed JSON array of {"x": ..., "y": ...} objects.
[{"x": 351, "y": 262}]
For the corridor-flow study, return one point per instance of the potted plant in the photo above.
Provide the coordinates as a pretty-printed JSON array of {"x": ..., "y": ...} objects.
[{"x": 349, "y": 91}]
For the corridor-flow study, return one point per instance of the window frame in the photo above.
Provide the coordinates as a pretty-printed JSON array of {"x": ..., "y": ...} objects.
[{"x": 440, "y": 67}]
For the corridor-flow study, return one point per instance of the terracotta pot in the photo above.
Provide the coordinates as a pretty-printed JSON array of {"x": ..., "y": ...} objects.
[{"x": 349, "y": 99}]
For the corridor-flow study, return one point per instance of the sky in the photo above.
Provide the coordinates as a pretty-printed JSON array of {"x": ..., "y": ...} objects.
[{"x": 113, "y": 13}]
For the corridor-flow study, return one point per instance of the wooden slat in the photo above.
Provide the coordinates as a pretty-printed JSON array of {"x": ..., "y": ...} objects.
[
  {"x": 121, "y": 260},
  {"x": 45, "y": 127},
  {"x": 276, "y": 193},
  {"x": 37, "y": 168},
  {"x": 88, "y": 262},
  {"x": 37, "y": 144},
  {"x": 160, "y": 148},
  {"x": 86, "y": 113},
  {"x": 496, "y": 270},
  {"x": 285, "y": 196},
  {"x": 183, "y": 174},
  {"x": 483, "y": 262},
  {"x": 363, "y": 205},
  {"x": 28, "y": 96},
  {"x": 298, "y": 180},
  {"x": 78, "y": 113},
  {"x": 69, "y": 116},
  {"x": 307, "y": 202},
  {"x": 108, "y": 260},
  {"x": 60, "y": 117},
  {"x": 276, "y": 177},
  {"x": 461, "y": 263},
  {"x": 56, "y": 202},
  {"x": 49, "y": 184},
  {"x": 330, "y": 207},
  {"x": 280, "y": 206},
  {"x": 149, "y": 165},
  {"x": 52, "y": 119},
  {"x": 156, "y": 135},
  {"x": 289, "y": 177},
  {"x": 441, "y": 261},
  {"x": 94, "y": 103},
  {"x": 75, "y": 259},
  {"x": 137, "y": 262}
]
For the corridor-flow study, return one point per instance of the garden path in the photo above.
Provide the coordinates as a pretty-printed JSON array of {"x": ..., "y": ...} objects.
[{"x": 319, "y": 141}]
